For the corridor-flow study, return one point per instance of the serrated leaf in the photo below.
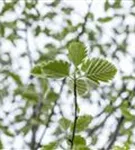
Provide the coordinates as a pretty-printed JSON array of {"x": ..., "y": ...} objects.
[
  {"x": 97, "y": 70},
  {"x": 77, "y": 52},
  {"x": 56, "y": 69},
  {"x": 82, "y": 86},
  {"x": 51, "y": 69}
]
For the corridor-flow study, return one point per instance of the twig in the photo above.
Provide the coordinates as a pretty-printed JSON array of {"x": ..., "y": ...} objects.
[
  {"x": 28, "y": 48},
  {"x": 50, "y": 116},
  {"x": 90, "y": 132},
  {"x": 114, "y": 137},
  {"x": 84, "y": 23},
  {"x": 35, "y": 107},
  {"x": 75, "y": 117}
]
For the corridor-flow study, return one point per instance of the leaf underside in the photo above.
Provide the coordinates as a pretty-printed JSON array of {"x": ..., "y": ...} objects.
[{"x": 97, "y": 69}]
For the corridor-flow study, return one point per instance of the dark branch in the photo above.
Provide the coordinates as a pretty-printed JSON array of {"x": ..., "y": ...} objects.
[
  {"x": 75, "y": 117},
  {"x": 90, "y": 132},
  {"x": 84, "y": 23},
  {"x": 50, "y": 116},
  {"x": 114, "y": 137}
]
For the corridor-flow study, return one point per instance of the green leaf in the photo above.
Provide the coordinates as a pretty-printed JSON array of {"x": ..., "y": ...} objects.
[
  {"x": 8, "y": 133},
  {"x": 14, "y": 76},
  {"x": 117, "y": 4},
  {"x": 126, "y": 111},
  {"x": 79, "y": 140},
  {"x": 52, "y": 69},
  {"x": 79, "y": 143},
  {"x": 77, "y": 52},
  {"x": 64, "y": 123},
  {"x": 82, "y": 123},
  {"x": 106, "y": 5},
  {"x": 2, "y": 30},
  {"x": 67, "y": 10},
  {"x": 29, "y": 93},
  {"x": 37, "y": 71},
  {"x": 50, "y": 146},
  {"x": 120, "y": 148},
  {"x": 82, "y": 86},
  {"x": 56, "y": 69},
  {"x": 97, "y": 70},
  {"x": 51, "y": 96},
  {"x": 104, "y": 20},
  {"x": 1, "y": 145}
]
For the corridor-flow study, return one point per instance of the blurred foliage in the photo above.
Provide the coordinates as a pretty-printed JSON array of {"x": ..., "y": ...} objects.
[{"x": 34, "y": 32}]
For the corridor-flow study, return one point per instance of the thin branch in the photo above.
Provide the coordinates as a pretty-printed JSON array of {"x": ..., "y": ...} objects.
[
  {"x": 35, "y": 111},
  {"x": 85, "y": 22},
  {"x": 28, "y": 48},
  {"x": 75, "y": 117},
  {"x": 50, "y": 116},
  {"x": 114, "y": 137},
  {"x": 90, "y": 132}
]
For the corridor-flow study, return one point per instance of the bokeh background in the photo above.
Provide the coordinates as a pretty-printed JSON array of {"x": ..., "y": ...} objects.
[{"x": 33, "y": 31}]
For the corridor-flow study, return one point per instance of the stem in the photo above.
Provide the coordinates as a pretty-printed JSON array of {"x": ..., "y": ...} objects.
[{"x": 75, "y": 116}]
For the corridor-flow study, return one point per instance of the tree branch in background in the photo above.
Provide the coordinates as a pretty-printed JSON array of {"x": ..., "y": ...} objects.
[
  {"x": 50, "y": 116},
  {"x": 114, "y": 136},
  {"x": 84, "y": 23},
  {"x": 28, "y": 48}
]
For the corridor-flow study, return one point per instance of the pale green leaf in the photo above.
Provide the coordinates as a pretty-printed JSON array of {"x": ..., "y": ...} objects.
[
  {"x": 50, "y": 146},
  {"x": 14, "y": 76},
  {"x": 1, "y": 145},
  {"x": 51, "y": 69},
  {"x": 56, "y": 69},
  {"x": 82, "y": 123},
  {"x": 97, "y": 70},
  {"x": 77, "y": 52},
  {"x": 126, "y": 112},
  {"x": 80, "y": 143},
  {"x": 37, "y": 71},
  {"x": 82, "y": 86},
  {"x": 64, "y": 123},
  {"x": 104, "y": 20}
]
